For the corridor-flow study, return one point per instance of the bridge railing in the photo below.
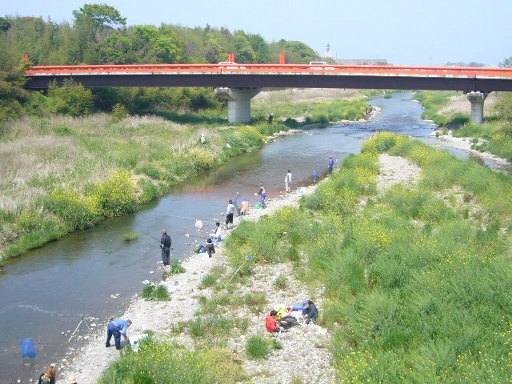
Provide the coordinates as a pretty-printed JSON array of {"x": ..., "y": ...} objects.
[{"x": 393, "y": 70}]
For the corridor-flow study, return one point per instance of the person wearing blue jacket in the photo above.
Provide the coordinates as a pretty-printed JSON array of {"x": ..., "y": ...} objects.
[
  {"x": 331, "y": 164},
  {"x": 117, "y": 328}
]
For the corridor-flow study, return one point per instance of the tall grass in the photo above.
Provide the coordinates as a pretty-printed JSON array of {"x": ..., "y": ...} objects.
[
  {"x": 415, "y": 290},
  {"x": 170, "y": 363},
  {"x": 73, "y": 173},
  {"x": 321, "y": 112}
]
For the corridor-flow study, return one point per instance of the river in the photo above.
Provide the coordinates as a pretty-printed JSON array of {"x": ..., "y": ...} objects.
[{"x": 94, "y": 273}]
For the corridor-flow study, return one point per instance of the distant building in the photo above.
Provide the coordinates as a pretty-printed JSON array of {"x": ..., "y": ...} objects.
[
  {"x": 328, "y": 52},
  {"x": 361, "y": 61}
]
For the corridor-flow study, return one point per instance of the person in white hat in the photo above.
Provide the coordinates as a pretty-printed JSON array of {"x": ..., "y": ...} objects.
[{"x": 71, "y": 380}]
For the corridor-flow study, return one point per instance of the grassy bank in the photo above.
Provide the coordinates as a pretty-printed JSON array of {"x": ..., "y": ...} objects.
[
  {"x": 433, "y": 102},
  {"x": 65, "y": 174},
  {"x": 494, "y": 135},
  {"x": 417, "y": 281}
]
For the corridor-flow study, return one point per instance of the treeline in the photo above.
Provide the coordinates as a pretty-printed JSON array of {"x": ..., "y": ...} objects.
[{"x": 99, "y": 35}]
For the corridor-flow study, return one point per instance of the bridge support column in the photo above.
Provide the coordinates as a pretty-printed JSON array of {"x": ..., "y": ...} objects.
[
  {"x": 239, "y": 102},
  {"x": 477, "y": 106}
]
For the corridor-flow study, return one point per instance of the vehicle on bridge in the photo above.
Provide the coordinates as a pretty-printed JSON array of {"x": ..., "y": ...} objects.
[
  {"x": 231, "y": 65},
  {"x": 321, "y": 65}
]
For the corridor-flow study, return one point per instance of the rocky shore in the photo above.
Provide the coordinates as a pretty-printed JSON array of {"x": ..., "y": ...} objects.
[
  {"x": 93, "y": 358},
  {"x": 305, "y": 349}
]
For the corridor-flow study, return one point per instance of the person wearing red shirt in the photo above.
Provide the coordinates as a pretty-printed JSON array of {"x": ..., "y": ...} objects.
[{"x": 271, "y": 323}]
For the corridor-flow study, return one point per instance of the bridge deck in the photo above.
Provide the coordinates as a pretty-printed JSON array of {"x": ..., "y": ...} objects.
[
  {"x": 276, "y": 75},
  {"x": 327, "y": 69}
]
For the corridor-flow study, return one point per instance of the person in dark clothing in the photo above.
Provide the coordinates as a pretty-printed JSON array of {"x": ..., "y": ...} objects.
[
  {"x": 331, "y": 164},
  {"x": 210, "y": 248},
  {"x": 309, "y": 311},
  {"x": 207, "y": 248},
  {"x": 48, "y": 376},
  {"x": 165, "y": 244},
  {"x": 230, "y": 212},
  {"x": 117, "y": 328}
]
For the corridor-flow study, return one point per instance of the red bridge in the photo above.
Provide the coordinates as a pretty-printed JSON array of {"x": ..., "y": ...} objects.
[{"x": 243, "y": 81}]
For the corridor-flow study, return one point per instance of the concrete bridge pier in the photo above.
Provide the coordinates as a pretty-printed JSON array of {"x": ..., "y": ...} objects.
[
  {"x": 477, "y": 106},
  {"x": 239, "y": 102}
]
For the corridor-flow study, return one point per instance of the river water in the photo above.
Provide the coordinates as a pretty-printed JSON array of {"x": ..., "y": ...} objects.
[{"x": 94, "y": 273}]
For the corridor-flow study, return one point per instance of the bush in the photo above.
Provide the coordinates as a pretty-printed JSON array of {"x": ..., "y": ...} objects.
[
  {"x": 116, "y": 196},
  {"x": 257, "y": 347},
  {"x": 80, "y": 211},
  {"x": 154, "y": 292},
  {"x": 129, "y": 236},
  {"x": 168, "y": 363}
]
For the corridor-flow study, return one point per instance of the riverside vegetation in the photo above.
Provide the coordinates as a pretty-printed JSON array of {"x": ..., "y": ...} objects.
[
  {"x": 494, "y": 135},
  {"x": 63, "y": 174},
  {"x": 417, "y": 279}
]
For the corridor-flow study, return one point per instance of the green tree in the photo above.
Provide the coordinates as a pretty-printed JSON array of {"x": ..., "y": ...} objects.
[
  {"x": 503, "y": 107},
  {"x": 296, "y": 51},
  {"x": 507, "y": 63},
  {"x": 260, "y": 48},
  {"x": 242, "y": 48},
  {"x": 217, "y": 48},
  {"x": 101, "y": 15},
  {"x": 70, "y": 99},
  {"x": 94, "y": 23},
  {"x": 169, "y": 48},
  {"x": 5, "y": 24}
]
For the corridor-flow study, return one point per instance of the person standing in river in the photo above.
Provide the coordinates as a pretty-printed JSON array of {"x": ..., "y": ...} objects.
[
  {"x": 331, "y": 164},
  {"x": 288, "y": 181},
  {"x": 230, "y": 211},
  {"x": 165, "y": 244},
  {"x": 263, "y": 196}
]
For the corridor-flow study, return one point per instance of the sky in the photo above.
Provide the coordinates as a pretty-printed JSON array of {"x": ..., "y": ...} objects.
[{"x": 403, "y": 32}]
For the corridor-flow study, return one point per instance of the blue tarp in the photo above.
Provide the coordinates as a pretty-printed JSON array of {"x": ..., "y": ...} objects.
[{"x": 28, "y": 348}]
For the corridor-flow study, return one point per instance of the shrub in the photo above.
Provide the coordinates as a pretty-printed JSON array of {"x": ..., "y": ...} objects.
[
  {"x": 119, "y": 112},
  {"x": 155, "y": 292},
  {"x": 168, "y": 363},
  {"x": 116, "y": 196},
  {"x": 80, "y": 211},
  {"x": 257, "y": 347},
  {"x": 129, "y": 236},
  {"x": 281, "y": 282}
]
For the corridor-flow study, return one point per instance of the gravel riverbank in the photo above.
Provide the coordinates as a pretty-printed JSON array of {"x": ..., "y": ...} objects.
[{"x": 310, "y": 344}]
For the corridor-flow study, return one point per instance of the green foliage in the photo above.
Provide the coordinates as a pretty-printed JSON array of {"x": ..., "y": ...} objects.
[
  {"x": 316, "y": 113},
  {"x": 80, "y": 211},
  {"x": 116, "y": 196},
  {"x": 421, "y": 289},
  {"x": 210, "y": 280},
  {"x": 176, "y": 267},
  {"x": 119, "y": 112},
  {"x": 101, "y": 15},
  {"x": 154, "y": 292},
  {"x": 169, "y": 363},
  {"x": 130, "y": 236},
  {"x": 257, "y": 347},
  {"x": 281, "y": 282},
  {"x": 507, "y": 63},
  {"x": 433, "y": 101},
  {"x": 70, "y": 99}
]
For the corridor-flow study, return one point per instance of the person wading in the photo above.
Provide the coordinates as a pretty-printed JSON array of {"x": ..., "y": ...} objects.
[
  {"x": 165, "y": 244},
  {"x": 288, "y": 181}
]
